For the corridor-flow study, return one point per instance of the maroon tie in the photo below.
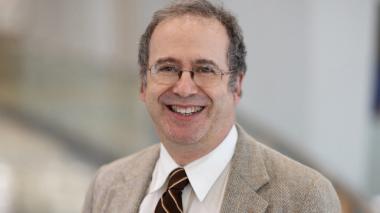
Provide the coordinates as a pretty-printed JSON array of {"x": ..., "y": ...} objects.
[{"x": 171, "y": 200}]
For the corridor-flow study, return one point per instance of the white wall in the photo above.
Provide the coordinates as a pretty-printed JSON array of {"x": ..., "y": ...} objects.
[{"x": 342, "y": 71}]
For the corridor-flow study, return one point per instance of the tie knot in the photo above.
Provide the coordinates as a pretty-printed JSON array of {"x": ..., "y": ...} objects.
[{"x": 178, "y": 179}]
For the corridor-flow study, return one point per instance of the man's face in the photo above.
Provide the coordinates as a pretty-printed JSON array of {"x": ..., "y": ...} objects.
[{"x": 184, "y": 112}]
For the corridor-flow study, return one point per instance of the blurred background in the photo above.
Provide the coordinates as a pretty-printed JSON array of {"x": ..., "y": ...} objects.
[{"x": 69, "y": 93}]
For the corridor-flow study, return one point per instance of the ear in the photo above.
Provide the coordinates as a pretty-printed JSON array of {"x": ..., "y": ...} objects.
[
  {"x": 142, "y": 91},
  {"x": 238, "y": 87}
]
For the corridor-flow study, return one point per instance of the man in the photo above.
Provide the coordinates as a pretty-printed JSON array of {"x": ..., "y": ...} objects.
[{"x": 192, "y": 59}]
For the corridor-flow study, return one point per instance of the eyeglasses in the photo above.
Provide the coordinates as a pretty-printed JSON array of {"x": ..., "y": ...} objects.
[{"x": 202, "y": 75}]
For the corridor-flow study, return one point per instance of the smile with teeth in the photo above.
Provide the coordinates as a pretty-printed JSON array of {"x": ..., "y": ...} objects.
[{"x": 185, "y": 110}]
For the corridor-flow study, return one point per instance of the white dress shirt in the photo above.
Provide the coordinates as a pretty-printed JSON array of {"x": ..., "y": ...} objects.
[{"x": 207, "y": 176}]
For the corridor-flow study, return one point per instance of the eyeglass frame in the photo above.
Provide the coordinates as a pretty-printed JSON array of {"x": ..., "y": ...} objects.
[{"x": 192, "y": 73}]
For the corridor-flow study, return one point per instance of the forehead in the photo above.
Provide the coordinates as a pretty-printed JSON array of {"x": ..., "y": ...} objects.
[{"x": 189, "y": 38}]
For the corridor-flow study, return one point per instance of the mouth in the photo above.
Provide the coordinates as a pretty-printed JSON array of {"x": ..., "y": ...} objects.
[{"x": 185, "y": 111}]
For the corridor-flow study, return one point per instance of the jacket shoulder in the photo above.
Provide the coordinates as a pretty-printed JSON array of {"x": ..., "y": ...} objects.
[
  {"x": 118, "y": 177},
  {"x": 296, "y": 186},
  {"x": 128, "y": 166}
]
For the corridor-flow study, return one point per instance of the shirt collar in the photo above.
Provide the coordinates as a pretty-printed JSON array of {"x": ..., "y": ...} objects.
[
  {"x": 203, "y": 172},
  {"x": 165, "y": 164}
]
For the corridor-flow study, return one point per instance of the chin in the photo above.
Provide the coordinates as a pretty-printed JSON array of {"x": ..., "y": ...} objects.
[
  {"x": 182, "y": 133},
  {"x": 184, "y": 139}
]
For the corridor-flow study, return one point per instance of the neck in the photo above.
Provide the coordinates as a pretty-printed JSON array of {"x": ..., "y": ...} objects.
[{"x": 184, "y": 154}]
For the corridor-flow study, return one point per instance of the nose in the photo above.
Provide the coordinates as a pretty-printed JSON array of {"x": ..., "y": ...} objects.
[{"x": 185, "y": 86}]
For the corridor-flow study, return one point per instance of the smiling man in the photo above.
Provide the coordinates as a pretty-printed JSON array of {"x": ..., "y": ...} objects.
[{"x": 192, "y": 60}]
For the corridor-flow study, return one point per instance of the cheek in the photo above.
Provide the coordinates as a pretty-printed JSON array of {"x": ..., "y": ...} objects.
[
  {"x": 152, "y": 94},
  {"x": 223, "y": 99}
]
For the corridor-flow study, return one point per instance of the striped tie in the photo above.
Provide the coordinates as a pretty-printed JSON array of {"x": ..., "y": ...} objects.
[{"x": 171, "y": 200}]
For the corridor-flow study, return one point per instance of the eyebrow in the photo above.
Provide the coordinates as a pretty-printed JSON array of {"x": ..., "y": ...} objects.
[
  {"x": 176, "y": 61},
  {"x": 167, "y": 60},
  {"x": 204, "y": 61}
]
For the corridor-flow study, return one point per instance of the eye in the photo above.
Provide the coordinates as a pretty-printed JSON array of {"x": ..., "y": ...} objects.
[
  {"x": 205, "y": 70},
  {"x": 167, "y": 69}
]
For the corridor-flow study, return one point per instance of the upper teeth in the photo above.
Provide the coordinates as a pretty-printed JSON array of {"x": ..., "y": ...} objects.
[{"x": 186, "y": 110}]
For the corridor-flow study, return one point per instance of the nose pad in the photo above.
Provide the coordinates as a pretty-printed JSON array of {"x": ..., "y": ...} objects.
[{"x": 181, "y": 73}]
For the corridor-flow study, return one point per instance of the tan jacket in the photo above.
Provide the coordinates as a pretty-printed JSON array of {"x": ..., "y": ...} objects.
[{"x": 261, "y": 180}]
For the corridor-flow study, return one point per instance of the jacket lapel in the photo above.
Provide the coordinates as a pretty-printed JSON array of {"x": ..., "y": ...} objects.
[{"x": 248, "y": 174}]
